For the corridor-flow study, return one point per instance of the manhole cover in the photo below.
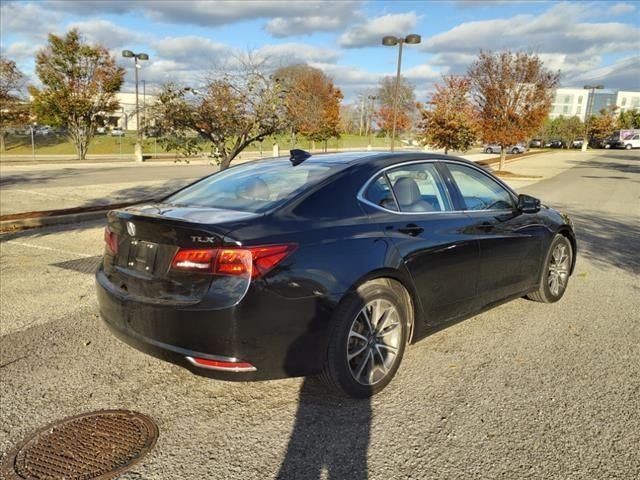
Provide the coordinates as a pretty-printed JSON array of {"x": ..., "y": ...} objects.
[{"x": 95, "y": 445}]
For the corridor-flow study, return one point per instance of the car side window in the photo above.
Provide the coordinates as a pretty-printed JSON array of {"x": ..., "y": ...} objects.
[
  {"x": 478, "y": 190},
  {"x": 419, "y": 188},
  {"x": 379, "y": 193}
]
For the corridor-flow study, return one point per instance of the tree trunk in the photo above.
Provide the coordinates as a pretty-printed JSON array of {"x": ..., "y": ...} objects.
[
  {"x": 446, "y": 150},
  {"x": 2, "y": 144},
  {"x": 503, "y": 156},
  {"x": 225, "y": 161}
]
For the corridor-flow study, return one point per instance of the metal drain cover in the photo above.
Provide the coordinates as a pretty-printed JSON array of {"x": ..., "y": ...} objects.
[{"x": 96, "y": 445}]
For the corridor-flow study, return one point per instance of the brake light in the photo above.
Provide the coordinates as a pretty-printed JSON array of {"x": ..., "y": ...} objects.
[
  {"x": 111, "y": 241},
  {"x": 250, "y": 261},
  {"x": 194, "y": 260}
]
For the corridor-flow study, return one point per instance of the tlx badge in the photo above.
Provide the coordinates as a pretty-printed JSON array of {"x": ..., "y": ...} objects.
[{"x": 199, "y": 239}]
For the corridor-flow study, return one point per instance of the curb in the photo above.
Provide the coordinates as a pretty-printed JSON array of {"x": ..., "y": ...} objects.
[
  {"x": 24, "y": 221},
  {"x": 27, "y": 223}
]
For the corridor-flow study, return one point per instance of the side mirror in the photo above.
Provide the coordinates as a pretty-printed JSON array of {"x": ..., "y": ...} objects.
[{"x": 528, "y": 204}]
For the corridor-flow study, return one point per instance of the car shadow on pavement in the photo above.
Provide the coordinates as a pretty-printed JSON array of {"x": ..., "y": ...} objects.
[{"x": 330, "y": 437}]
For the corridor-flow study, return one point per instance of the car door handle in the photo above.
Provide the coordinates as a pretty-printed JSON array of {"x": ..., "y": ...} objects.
[{"x": 411, "y": 229}]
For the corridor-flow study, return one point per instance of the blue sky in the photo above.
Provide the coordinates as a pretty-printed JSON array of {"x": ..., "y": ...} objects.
[{"x": 586, "y": 41}]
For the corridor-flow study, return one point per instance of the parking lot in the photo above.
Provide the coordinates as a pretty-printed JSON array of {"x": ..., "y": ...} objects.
[{"x": 523, "y": 391}]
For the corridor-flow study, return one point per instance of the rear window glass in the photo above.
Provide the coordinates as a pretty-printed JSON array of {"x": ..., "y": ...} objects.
[{"x": 255, "y": 186}]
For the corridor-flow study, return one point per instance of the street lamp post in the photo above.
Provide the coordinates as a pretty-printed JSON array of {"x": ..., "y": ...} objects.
[
  {"x": 390, "y": 41},
  {"x": 136, "y": 57},
  {"x": 592, "y": 90}
]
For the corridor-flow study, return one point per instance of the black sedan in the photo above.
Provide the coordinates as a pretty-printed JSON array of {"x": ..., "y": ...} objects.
[{"x": 327, "y": 264}]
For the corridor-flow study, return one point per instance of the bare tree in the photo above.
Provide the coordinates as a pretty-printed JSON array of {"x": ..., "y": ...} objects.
[
  {"x": 79, "y": 83},
  {"x": 512, "y": 93}
]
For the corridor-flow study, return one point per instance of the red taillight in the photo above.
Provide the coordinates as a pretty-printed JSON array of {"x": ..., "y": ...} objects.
[
  {"x": 194, "y": 260},
  {"x": 111, "y": 241},
  {"x": 250, "y": 261}
]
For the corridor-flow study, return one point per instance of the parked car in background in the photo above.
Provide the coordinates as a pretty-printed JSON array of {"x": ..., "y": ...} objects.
[
  {"x": 101, "y": 130},
  {"x": 513, "y": 149},
  {"x": 577, "y": 143},
  {"x": 536, "y": 143},
  {"x": 627, "y": 139},
  {"x": 556, "y": 144},
  {"x": 117, "y": 132},
  {"x": 43, "y": 130},
  {"x": 324, "y": 264}
]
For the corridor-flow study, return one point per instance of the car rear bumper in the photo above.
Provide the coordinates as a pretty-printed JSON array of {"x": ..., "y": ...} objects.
[{"x": 278, "y": 336}]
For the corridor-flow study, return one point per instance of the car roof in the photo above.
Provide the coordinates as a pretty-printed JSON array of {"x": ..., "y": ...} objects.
[{"x": 377, "y": 159}]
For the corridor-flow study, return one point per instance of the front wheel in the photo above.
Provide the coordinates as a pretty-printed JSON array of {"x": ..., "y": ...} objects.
[
  {"x": 556, "y": 271},
  {"x": 627, "y": 147},
  {"x": 367, "y": 340},
  {"x": 488, "y": 150}
]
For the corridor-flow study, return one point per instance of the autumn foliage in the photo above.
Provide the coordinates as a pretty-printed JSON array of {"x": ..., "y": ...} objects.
[
  {"x": 79, "y": 83},
  {"x": 312, "y": 102},
  {"x": 13, "y": 112},
  {"x": 449, "y": 121},
  {"x": 384, "y": 119},
  {"x": 512, "y": 94}
]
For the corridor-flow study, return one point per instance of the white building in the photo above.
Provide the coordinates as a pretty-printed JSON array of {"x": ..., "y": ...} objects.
[
  {"x": 579, "y": 102},
  {"x": 628, "y": 101},
  {"x": 570, "y": 102},
  {"x": 125, "y": 117}
]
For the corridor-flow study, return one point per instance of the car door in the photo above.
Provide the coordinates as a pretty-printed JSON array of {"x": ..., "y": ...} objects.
[
  {"x": 412, "y": 205},
  {"x": 510, "y": 241}
]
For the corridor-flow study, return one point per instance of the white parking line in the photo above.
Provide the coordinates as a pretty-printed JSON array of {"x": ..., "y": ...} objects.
[{"x": 59, "y": 250}]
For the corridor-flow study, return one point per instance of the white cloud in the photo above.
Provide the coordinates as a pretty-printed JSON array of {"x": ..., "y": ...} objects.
[
  {"x": 27, "y": 19},
  {"x": 623, "y": 75},
  {"x": 621, "y": 9},
  {"x": 286, "y": 18},
  {"x": 191, "y": 50},
  {"x": 371, "y": 32},
  {"x": 105, "y": 33},
  {"x": 288, "y": 53}
]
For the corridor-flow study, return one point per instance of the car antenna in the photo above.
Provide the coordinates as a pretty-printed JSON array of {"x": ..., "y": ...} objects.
[{"x": 298, "y": 156}]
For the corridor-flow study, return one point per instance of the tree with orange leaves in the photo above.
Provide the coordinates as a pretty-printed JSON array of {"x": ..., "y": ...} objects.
[
  {"x": 512, "y": 93},
  {"x": 449, "y": 123},
  {"x": 312, "y": 102},
  {"x": 384, "y": 119}
]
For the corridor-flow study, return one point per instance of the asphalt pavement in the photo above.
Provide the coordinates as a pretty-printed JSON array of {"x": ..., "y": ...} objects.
[{"x": 525, "y": 390}]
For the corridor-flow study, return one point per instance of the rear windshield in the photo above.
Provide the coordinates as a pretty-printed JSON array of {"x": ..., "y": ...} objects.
[{"x": 255, "y": 186}]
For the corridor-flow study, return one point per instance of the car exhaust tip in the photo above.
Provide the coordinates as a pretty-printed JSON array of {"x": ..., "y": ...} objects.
[{"x": 222, "y": 364}]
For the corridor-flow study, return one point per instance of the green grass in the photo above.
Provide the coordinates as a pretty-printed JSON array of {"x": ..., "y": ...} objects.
[{"x": 106, "y": 144}]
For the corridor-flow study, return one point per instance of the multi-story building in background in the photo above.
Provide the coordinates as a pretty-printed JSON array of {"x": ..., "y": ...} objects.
[{"x": 579, "y": 102}]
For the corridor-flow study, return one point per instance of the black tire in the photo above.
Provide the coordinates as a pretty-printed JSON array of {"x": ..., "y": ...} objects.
[
  {"x": 337, "y": 372},
  {"x": 488, "y": 150},
  {"x": 544, "y": 292},
  {"x": 627, "y": 146}
]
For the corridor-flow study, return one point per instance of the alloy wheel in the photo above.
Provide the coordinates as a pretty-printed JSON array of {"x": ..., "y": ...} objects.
[
  {"x": 559, "y": 265},
  {"x": 374, "y": 342}
]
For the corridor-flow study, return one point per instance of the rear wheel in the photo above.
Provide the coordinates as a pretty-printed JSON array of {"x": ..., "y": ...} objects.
[
  {"x": 488, "y": 150},
  {"x": 556, "y": 271},
  {"x": 368, "y": 338},
  {"x": 627, "y": 146}
]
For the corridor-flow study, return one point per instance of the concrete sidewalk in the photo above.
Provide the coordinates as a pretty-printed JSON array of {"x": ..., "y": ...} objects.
[{"x": 28, "y": 188}]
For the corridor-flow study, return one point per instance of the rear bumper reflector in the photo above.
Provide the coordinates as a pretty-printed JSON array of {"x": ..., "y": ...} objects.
[{"x": 226, "y": 365}]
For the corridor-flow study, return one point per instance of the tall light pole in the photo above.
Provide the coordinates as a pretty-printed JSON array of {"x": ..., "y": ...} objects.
[
  {"x": 592, "y": 91},
  {"x": 390, "y": 41},
  {"x": 136, "y": 57}
]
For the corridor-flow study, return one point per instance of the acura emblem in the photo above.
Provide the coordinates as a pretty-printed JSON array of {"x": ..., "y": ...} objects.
[{"x": 131, "y": 229}]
